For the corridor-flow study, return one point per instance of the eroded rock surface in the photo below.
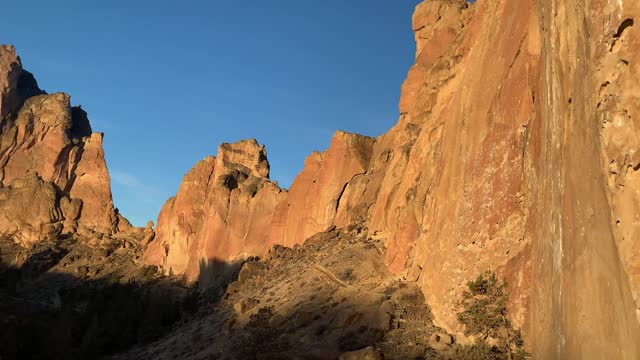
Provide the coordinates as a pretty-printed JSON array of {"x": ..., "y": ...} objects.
[
  {"x": 30, "y": 211},
  {"x": 222, "y": 211},
  {"x": 44, "y": 135},
  {"x": 228, "y": 209},
  {"x": 515, "y": 150}
]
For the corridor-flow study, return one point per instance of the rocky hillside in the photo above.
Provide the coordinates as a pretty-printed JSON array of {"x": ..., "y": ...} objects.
[
  {"x": 331, "y": 297},
  {"x": 514, "y": 151}
]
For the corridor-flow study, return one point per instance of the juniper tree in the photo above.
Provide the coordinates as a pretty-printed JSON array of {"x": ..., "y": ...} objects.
[{"x": 484, "y": 314}]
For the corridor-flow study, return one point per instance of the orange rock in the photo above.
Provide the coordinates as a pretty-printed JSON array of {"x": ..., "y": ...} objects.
[
  {"x": 516, "y": 150},
  {"x": 45, "y": 135},
  {"x": 221, "y": 211},
  {"x": 92, "y": 184},
  {"x": 226, "y": 207},
  {"x": 497, "y": 163},
  {"x": 509, "y": 118},
  {"x": 314, "y": 197}
]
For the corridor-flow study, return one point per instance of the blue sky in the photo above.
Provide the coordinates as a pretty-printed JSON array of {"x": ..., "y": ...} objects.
[{"x": 167, "y": 81}]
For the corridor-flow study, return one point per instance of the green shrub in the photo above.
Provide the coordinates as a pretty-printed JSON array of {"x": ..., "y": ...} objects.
[{"x": 484, "y": 316}]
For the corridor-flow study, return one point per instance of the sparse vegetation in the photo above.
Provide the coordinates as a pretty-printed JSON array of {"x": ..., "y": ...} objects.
[
  {"x": 263, "y": 335},
  {"x": 484, "y": 316},
  {"x": 94, "y": 321},
  {"x": 147, "y": 273}
]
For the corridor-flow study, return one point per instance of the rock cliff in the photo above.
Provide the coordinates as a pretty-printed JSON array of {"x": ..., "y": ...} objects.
[
  {"x": 227, "y": 208},
  {"x": 50, "y": 161},
  {"x": 514, "y": 150}
]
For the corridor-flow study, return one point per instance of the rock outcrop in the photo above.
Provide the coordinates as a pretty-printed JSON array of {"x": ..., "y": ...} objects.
[
  {"x": 314, "y": 198},
  {"x": 16, "y": 84},
  {"x": 222, "y": 210},
  {"x": 43, "y": 136},
  {"x": 515, "y": 151},
  {"x": 227, "y": 208}
]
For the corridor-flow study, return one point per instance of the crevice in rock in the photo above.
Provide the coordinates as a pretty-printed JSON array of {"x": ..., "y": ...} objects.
[
  {"x": 626, "y": 24},
  {"x": 344, "y": 188}
]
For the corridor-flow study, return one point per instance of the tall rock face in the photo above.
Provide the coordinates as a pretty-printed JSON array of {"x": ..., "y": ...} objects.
[
  {"x": 583, "y": 253},
  {"x": 42, "y": 135},
  {"x": 227, "y": 208},
  {"x": 519, "y": 124},
  {"x": 222, "y": 210},
  {"x": 314, "y": 198},
  {"x": 615, "y": 87},
  {"x": 515, "y": 150}
]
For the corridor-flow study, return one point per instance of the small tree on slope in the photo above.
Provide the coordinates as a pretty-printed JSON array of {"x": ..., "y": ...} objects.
[{"x": 484, "y": 315}]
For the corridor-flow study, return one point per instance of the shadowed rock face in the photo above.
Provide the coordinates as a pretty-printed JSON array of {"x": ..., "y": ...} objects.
[
  {"x": 16, "y": 84},
  {"x": 329, "y": 296},
  {"x": 44, "y": 135},
  {"x": 515, "y": 150}
]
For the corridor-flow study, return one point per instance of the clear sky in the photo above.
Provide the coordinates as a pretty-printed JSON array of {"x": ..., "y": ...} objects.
[{"x": 167, "y": 81}]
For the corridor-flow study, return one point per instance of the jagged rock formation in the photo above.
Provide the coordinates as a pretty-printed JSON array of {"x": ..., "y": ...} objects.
[
  {"x": 515, "y": 150},
  {"x": 51, "y": 161},
  {"x": 221, "y": 209},
  {"x": 227, "y": 208}
]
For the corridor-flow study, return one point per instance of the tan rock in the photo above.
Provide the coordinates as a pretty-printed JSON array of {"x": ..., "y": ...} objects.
[
  {"x": 515, "y": 150},
  {"x": 44, "y": 134},
  {"x": 123, "y": 225},
  {"x": 441, "y": 341},
  {"x": 315, "y": 194},
  {"x": 245, "y": 305},
  {"x": 222, "y": 211},
  {"x": 149, "y": 234},
  {"x": 29, "y": 211},
  {"x": 227, "y": 208},
  {"x": 71, "y": 210},
  {"x": 495, "y": 163},
  {"x": 92, "y": 184}
]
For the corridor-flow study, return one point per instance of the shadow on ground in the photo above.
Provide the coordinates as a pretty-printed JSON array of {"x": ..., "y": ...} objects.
[
  {"x": 332, "y": 295},
  {"x": 48, "y": 314}
]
